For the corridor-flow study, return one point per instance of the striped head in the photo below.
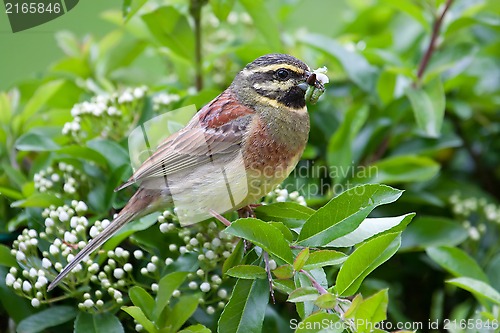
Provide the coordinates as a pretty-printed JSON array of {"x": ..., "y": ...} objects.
[{"x": 277, "y": 80}]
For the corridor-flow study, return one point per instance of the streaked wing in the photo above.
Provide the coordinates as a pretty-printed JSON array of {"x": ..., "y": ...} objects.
[{"x": 217, "y": 130}]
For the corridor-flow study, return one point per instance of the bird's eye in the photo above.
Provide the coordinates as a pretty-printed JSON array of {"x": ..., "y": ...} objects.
[{"x": 282, "y": 73}]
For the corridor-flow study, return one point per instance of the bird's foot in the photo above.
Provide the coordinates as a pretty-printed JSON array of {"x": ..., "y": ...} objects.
[{"x": 247, "y": 211}]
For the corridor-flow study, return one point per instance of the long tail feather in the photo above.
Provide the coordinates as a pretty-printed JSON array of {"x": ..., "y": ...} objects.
[{"x": 122, "y": 219}]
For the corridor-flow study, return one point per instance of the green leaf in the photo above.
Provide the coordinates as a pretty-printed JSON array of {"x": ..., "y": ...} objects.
[
  {"x": 301, "y": 259},
  {"x": 371, "y": 227},
  {"x": 371, "y": 311},
  {"x": 476, "y": 287},
  {"x": 198, "y": 328},
  {"x": 247, "y": 272},
  {"x": 366, "y": 258},
  {"x": 326, "y": 301},
  {"x": 222, "y": 8},
  {"x": 264, "y": 235},
  {"x": 303, "y": 294},
  {"x": 412, "y": 10},
  {"x": 6, "y": 258},
  {"x": 172, "y": 30},
  {"x": 340, "y": 146},
  {"x": 50, "y": 317},
  {"x": 322, "y": 258},
  {"x": 10, "y": 193},
  {"x": 400, "y": 169},
  {"x": 264, "y": 21},
  {"x": 33, "y": 141},
  {"x": 182, "y": 311},
  {"x": 428, "y": 105},
  {"x": 287, "y": 233},
  {"x": 41, "y": 96},
  {"x": 115, "y": 154},
  {"x": 143, "y": 300},
  {"x": 433, "y": 231},
  {"x": 83, "y": 153},
  {"x": 355, "y": 65},
  {"x": 136, "y": 313},
  {"x": 283, "y": 272},
  {"x": 457, "y": 262},
  {"x": 315, "y": 324},
  {"x": 166, "y": 287},
  {"x": 386, "y": 85},
  {"x": 39, "y": 200},
  {"x": 290, "y": 214},
  {"x": 344, "y": 213},
  {"x": 130, "y": 7},
  {"x": 235, "y": 258},
  {"x": 97, "y": 323},
  {"x": 245, "y": 311}
]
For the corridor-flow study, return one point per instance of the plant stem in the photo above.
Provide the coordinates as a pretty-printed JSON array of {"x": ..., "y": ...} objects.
[
  {"x": 432, "y": 43},
  {"x": 195, "y": 11}
]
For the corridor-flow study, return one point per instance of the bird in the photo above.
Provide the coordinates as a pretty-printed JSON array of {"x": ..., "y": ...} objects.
[{"x": 234, "y": 150}]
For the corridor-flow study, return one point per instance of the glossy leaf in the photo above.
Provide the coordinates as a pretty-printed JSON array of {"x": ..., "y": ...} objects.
[
  {"x": 222, "y": 8},
  {"x": 457, "y": 262},
  {"x": 283, "y": 272},
  {"x": 355, "y": 65},
  {"x": 478, "y": 288},
  {"x": 44, "y": 319},
  {"x": 198, "y": 328},
  {"x": 322, "y": 258},
  {"x": 400, "y": 169},
  {"x": 166, "y": 287},
  {"x": 371, "y": 311},
  {"x": 142, "y": 299},
  {"x": 371, "y": 227},
  {"x": 172, "y": 30},
  {"x": 97, "y": 323},
  {"x": 315, "y": 323},
  {"x": 432, "y": 231},
  {"x": 247, "y": 272},
  {"x": 290, "y": 214},
  {"x": 264, "y": 235},
  {"x": 366, "y": 258},
  {"x": 182, "y": 311},
  {"x": 235, "y": 258},
  {"x": 303, "y": 294},
  {"x": 344, "y": 213},
  {"x": 6, "y": 258},
  {"x": 428, "y": 107},
  {"x": 301, "y": 259},
  {"x": 326, "y": 301},
  {"x": 245, "y": 310},
  {"x": 136, "y": 313}
]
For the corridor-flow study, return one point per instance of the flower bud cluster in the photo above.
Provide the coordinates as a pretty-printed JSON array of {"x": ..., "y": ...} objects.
[
  {"x": 61, "y": 178},
  {"x": 105, "y": 115}
]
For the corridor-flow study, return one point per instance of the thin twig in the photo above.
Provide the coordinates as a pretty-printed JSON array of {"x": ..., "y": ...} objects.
[
  {"x": 195, "y": 11},
  {"x": 432, "y": 43},
  {"x": 269, "y": 277},
  {"x": 314, "y": 283}
]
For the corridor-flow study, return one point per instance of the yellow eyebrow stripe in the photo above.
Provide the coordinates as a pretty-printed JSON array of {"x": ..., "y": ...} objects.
[
  {"x": 276, "y": 104},
  {"x": 273, "y": 67}
]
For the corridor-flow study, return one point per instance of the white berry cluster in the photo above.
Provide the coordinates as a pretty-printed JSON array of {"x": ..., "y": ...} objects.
[
  {"x": 282, "y": 195},
  {"x": 477, "y": 215},
  {"x": 105, "y": 115},
  {"x": 163, "y": 99},
  {"x": 61, "y": 178}
]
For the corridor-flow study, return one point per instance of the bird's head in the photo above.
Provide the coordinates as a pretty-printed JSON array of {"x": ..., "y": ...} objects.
[{"x": 279, "y": 80}]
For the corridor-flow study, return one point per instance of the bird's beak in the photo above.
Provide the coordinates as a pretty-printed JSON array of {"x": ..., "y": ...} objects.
[{"x": 311, "y": 80}]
